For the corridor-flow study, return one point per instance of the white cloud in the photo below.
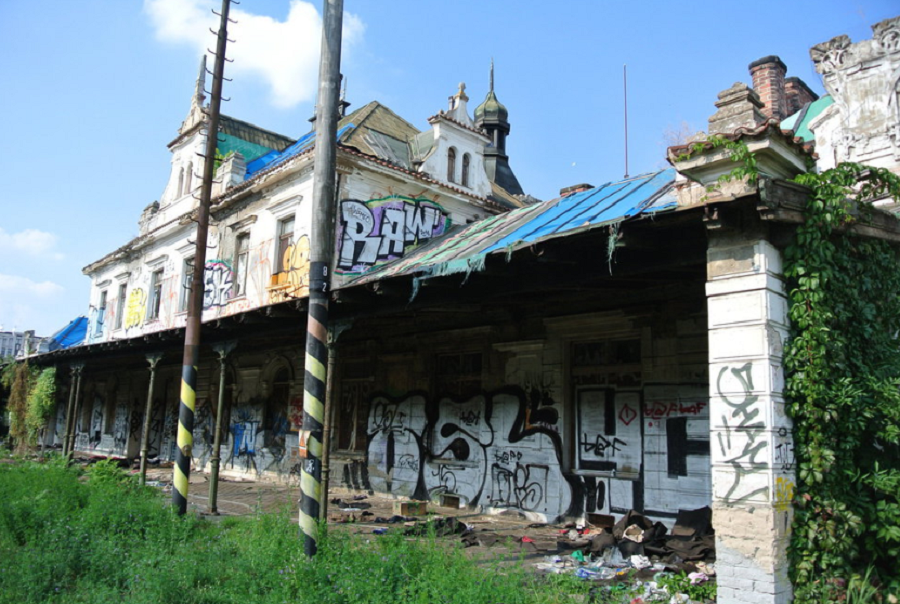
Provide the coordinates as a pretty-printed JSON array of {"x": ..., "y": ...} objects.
[
  {"x": 285, "y": 54},
  {"x": 27, "y": 304},
  {"x": 13, "y": 286},
  {"x": 31, "y": 242}
]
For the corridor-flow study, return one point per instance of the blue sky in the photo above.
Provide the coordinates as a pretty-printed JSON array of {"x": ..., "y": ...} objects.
[{"x": 93, "y": 90}]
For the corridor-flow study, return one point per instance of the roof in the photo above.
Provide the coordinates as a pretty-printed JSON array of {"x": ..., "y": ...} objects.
[
  {"x": 372, "y": 129},
  {"x": 380, "y": 132},
  {"x": 465, "y": 249},
  {"x": 253, "y": 134},
  {"x": 799, "y": 122},
  {"x": 274, "y": 158}
]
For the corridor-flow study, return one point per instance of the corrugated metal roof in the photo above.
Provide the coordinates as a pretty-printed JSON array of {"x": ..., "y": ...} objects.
[
  {"x": 799, "y": 122},
  {"x": 465, "y": 250}
]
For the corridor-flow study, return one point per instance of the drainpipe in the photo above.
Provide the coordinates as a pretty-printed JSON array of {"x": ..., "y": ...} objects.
[
  {"x": 153, "y": 359},
  {"x": 329, "y": 423},
  {"x": 223, "y": 350},
  {"x": 77, "y": 369}
]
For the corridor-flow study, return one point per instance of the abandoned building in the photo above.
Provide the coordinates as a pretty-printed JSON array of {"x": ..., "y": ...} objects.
[{"x": 617, "y": 348}]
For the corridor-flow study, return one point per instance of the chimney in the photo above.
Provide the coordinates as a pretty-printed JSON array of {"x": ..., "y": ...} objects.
[
  {"x": 737, "y": 107},
  {"x": 768, "y": 82},
  {"x": 232, "y": 171},
  {"x": 797, "y": 94}
]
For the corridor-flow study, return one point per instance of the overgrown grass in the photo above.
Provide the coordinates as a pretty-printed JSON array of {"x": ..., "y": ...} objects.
[{"x": 101, "y": 538}]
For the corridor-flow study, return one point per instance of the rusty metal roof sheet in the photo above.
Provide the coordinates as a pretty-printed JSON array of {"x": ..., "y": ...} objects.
[{"x": 464, "y": 250}]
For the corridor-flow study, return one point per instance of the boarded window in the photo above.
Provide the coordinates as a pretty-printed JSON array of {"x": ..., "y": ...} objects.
[
  {"x": 353, "y": 405},
  {"x": 465, "y": 170},
  {"x": 458, "y": 374}
]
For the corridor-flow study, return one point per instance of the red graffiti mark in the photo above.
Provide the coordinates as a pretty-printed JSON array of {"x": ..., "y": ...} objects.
[
  {"x": 659, "y": 410},
  {"x": 295, "y": 413},
  {"x": 627, "y": 414}
]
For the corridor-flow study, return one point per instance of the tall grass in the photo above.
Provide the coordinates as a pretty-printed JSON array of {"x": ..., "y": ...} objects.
[{"x": 101, "y": 538}]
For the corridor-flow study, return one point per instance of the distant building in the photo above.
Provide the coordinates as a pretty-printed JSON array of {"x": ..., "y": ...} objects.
[{"x": 19, "y": 344}]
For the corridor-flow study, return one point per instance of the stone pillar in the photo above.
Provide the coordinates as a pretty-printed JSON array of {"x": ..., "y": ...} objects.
[{"x": 750, "y": 435}]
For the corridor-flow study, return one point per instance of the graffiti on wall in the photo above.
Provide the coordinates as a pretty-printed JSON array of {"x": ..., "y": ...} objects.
[
  {"x": 376, "y": 231},
  {"x": 134, "y": 307},
  {"x": 609, "y": 438},
  {"x": 292, "y": 280},
  {"x": 742, "y": 442},
  {"x": 492, "y": 449},
  {"x": 120, "y": 429},
  {"x": 217, "y": 283}
]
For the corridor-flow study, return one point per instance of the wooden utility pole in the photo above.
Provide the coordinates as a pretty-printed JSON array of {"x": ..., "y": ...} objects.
[
  {"x": 182, "y": 471},
  {"x": 321, "y": 243}
]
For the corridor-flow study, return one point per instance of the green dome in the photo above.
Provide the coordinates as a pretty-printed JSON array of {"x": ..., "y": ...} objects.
[{"x": 491, "y": 110}]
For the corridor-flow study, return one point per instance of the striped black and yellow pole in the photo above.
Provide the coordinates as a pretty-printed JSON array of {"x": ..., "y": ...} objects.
[
  {"x": 314, "y": 381},
  {"x": 321, "y": 241},
  {"x": 182, "y": 472}
]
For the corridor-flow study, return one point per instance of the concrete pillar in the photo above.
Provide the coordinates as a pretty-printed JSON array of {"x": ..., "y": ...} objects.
[{"x": 750, "y": 435}]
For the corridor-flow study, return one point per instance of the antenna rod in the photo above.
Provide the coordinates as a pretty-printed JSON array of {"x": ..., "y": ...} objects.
[{"x": 625, "y": 90}]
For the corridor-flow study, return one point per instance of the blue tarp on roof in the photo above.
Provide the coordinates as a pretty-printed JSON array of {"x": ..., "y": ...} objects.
[
  {"x": 70, "y": 335},
  {"x": 273, "y": 158},
  {"x": 465, "y": 250},
  {"x": 608, "y": 203}
]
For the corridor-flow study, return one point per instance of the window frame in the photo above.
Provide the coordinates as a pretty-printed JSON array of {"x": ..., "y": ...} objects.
[
  {"x": 120, "y": 306},
  {"x": 285, "y": 239},
  {"x": 101, "y": 312},
  {"x": 187, "y": 276},
  {"x": 451, "y": 164},
  {"x": 241, "y": 262},
  {"x": 155, "y": 302}
]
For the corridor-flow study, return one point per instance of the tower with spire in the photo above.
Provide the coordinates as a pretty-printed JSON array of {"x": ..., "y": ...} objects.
[{"x": 493, "y": 117}]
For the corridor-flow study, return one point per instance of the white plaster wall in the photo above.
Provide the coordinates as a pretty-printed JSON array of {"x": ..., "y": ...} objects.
[{"x": 448, "y": 134}]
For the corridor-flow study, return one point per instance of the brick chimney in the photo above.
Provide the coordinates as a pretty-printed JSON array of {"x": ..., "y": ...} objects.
[
  {"x": 797, "y": 94},
  {"x": 768, "y": 82}
]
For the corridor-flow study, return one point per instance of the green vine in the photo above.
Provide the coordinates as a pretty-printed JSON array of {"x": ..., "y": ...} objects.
[
  {"x": 842, "y": 368},
  {"x": 843, "y": 375},
  {"x": 32, "y": 400}
]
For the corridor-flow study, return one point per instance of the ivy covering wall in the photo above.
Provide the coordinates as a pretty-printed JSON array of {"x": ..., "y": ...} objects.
[{"x": 843, "y": 390}]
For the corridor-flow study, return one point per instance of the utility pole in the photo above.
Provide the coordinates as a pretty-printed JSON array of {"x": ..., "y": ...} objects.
[
  {"x": 321, "y": 242},
  {"x": 182, "y": 471}
]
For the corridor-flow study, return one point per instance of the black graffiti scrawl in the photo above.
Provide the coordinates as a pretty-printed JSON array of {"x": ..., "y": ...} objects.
[{"x": 498, "y": 449}]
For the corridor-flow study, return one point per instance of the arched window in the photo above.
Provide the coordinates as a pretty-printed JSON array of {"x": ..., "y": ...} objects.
[
  {"x": 180, "y": 190},
  {"x": 465, "y": 170},
  {"x": 451, "y": 164},
  {"x": 187, "y": 179}
]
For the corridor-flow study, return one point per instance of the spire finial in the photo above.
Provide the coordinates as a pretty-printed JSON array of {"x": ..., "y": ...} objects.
[
  {"x": 492, "y": 74},
  {"x": 200, "y": 88},
  {"x": 195, "y": 114}
]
